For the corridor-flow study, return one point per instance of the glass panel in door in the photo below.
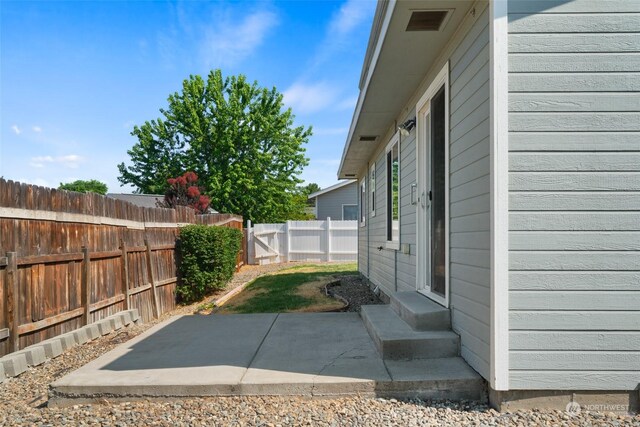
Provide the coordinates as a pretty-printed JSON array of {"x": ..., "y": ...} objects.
[{"x": 437, "y": 195}]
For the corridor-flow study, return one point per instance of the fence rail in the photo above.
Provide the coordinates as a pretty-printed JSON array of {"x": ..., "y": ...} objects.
[
  {"x": 68, "y": 259},
  {"x": 302, "y": 241}
]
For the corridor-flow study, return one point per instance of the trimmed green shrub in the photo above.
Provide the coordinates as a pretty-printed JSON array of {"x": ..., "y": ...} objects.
[{"x": 206, "y": 259}]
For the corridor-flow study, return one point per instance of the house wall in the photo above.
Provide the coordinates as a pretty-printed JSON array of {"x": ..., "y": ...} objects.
[
  {"x": 330, "y": 204},
  {"x": 468, "y": 56},
  {"x": 469, "y": 194},
  {"x": 574, "y": 195}
]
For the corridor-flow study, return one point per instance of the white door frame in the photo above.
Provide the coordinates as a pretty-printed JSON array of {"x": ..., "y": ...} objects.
[{"x": 423, "y": 107}]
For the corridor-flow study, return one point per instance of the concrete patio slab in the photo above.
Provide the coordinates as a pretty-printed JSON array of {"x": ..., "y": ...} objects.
[
  {"x": 315, "y": 353},
  {"x": 312, "y": 354},
  {"x": 184, "y": 356}
]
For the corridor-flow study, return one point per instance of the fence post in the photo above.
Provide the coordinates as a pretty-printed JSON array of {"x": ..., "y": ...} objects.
[
  {"x": 328, "y": 239},
  {"x": 13, "y": 296},
  {"x": 154, "y": 295},
  {"x": 86, "y": 285},
  {"x": 287, "y": 236},
  {"x": 125, "y": 274}
]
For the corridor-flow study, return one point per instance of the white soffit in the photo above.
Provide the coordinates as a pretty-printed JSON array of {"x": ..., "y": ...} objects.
[{"x": 402, "y": 63}]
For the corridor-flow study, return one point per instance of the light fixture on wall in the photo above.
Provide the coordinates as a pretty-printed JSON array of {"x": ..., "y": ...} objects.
[{"x": 406, "y": 127}]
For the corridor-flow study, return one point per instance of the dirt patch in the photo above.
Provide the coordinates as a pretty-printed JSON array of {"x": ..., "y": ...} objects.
[{"x": 316, "y": 290}]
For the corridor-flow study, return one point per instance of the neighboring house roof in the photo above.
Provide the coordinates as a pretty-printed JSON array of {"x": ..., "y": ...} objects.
[
  {"x": 394, "y": 67},
  {"x": 142, "y": 200},
  {"x": 332, "y": 188}
]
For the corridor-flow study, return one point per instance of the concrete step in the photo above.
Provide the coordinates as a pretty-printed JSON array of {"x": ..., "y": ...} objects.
[
  {"x": 396, "y": 340},
  {"x": 420, "y": 312},
  {"x": 449, "y": 378}
]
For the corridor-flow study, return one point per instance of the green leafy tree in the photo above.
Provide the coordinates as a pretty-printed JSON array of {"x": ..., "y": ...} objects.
[
  {"x": 82, "y": 186},
  {"x": 310, "y": 189},
  {"x": 235, "y": 136}
]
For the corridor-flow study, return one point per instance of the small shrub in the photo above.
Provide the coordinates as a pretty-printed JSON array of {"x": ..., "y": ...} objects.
[{"x": 207, "y": 259}]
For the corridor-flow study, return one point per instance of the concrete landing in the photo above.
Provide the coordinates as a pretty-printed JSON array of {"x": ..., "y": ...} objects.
[
  {"x": 420, "y": 312},
  {"x": 312, "y": 354}
]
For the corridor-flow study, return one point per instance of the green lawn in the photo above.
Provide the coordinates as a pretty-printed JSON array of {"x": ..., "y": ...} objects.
[{"x": 299, "y": 288}]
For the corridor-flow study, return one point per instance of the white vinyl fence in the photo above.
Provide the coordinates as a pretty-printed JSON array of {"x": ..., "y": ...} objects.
[{"x": 302, "y": 241}]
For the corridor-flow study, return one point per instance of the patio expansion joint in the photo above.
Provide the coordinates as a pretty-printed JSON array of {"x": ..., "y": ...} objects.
[
  {"x": 386, "y": 368},
  {"x": 253, "y": 358},
  {"x": 328, "y": 365}
]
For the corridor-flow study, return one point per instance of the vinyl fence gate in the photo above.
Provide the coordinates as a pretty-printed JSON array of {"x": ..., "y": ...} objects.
[{"x": 302, "y": 241}]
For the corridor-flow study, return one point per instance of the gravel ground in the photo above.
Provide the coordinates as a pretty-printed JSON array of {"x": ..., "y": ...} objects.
[
  {"x": 23, "y": 401},
  {"x": 355, "y": 291}
]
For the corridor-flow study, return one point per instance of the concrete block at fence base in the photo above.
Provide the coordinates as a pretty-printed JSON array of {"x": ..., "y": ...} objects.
[
  {"x": 1, "y": 372},
  {"x": 14, "y": 364},
  {"x": 35, "y": 355},
  {"x": 135, "y": 315},
  {"x": 92, "y": 331},
  {"x": 80, "y": 336},
  {"x": 127, "y": 317},
  {"x": 66, "y": 340},
  {"x": 104, "y": 326},
  {"x": 52, "y": 347},
  {"x": 116, "y": 322}
]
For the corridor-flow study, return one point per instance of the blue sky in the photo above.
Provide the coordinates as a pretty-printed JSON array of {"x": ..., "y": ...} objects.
[{"x": 76, "y": 76}]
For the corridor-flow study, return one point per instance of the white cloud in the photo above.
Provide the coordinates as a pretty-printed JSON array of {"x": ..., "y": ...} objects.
[
  {"x": 16, "y": 129},
  {"x": 71, "y": 161},
  {"x": 309, "y": 98},
  {"x": 348, "y": 104},
  {"x": 340, "y": 33},
  {"x": 35, "y": 181},
  {"x": 230, "y": 42},
  {"x": 351, "y": 14},
  {"x": 37, "y": 129}
]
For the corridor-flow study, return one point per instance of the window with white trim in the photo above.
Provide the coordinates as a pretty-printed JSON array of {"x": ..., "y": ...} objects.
[
  {"x": 363, "y": 201},
  {"x": 372, "y": 189},
  {"x": 393, "y": 190},
  {"x": 350, "y": 212}
]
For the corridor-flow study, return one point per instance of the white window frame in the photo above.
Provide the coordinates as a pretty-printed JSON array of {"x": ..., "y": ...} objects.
[
  {"x": 423, "y": 106},
  {"x": 350, "y": 204},
  {"x": 372, "y": 189},
  {"x": 393, "y": 243},
  {"x": 363, "y": 200}
]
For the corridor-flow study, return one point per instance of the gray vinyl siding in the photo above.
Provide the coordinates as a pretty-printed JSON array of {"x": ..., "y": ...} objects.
[
  {"x": 330, "y": 204},
  {"x": 406, "y": 263},
  {"x": 469, "y": 194},
  {"x": 389, "y": 269},
  {"x": 574, "y": 194},
  {"x": 381, "y": 262}
]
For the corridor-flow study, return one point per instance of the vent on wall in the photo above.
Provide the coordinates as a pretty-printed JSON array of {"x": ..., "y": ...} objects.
[
  {"x": 367, "y": 138},
  {"x": 426, "y": 20}
]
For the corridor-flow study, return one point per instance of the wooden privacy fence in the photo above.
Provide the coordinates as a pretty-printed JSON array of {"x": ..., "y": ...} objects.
[
  {"x": 68, "y": 259},
  {"x": 302, "y": 241}
]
